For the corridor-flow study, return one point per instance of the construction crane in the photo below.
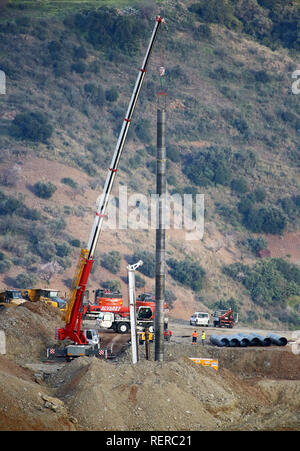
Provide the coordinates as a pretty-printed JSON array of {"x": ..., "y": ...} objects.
[{"x": 73, "y": 317}]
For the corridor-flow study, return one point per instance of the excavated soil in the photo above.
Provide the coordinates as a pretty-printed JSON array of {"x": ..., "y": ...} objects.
[{"x": 254, "y": 388}]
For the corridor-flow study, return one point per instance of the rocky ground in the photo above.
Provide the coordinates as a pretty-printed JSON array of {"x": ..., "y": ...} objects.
[{"x": 254, "y": 388}]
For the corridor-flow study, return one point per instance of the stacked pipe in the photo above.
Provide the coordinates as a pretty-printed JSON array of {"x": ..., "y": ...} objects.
[{"x": 243, "y": 340}]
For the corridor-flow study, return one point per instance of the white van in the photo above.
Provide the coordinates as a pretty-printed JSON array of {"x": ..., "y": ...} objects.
[{"x": 199, "y": 319}]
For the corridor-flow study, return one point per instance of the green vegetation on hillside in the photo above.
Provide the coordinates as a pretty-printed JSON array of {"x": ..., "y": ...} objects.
[
  {"x": 271, "y": 283},
  {"x": 232, "y": 132},
  {"x": 271, "y": 22}
]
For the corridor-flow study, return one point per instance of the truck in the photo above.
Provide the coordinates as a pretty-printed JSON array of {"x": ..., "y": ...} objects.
[
  {"x": 73, "y": 331},
  {"x": 47, "y": 295},
  {"x": 103, "y": 297},
  {"x": 117, "y": 317},
  {"x": 224, "y": 318},
  {"x": 9, "y": 298},
  {"x": 199, "y": 319}
]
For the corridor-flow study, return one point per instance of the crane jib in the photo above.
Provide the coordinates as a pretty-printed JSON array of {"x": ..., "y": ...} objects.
[
  {"x": 98, "y": 221},
  {"x": 73, "y": 321}
]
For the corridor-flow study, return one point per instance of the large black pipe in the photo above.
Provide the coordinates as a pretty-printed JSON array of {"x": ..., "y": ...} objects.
[
  {"x": 160, "y": 236},
  {"x": 277, "y": 339},
  {"x": 219, "y": 340}
]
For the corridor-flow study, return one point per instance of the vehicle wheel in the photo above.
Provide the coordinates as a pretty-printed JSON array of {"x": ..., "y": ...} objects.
[{"x": 123, "y": 328}]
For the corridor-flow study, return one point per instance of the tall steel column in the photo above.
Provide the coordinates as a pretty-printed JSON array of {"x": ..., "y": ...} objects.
[{"x": 160, "y": 236}]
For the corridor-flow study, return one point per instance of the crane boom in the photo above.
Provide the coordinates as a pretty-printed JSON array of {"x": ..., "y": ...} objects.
[{"x": 72, "y": 329}]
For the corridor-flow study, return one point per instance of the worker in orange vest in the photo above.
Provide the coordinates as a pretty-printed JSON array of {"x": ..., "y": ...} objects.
[{"x": 194, "y": 336}]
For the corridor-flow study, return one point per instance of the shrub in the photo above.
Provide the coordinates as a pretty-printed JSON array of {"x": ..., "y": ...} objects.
[
  {"x": 79, "y": 67},
  {"x": 80, "y": 53},
  {"x": 111, "y": 94},
  {"x": 75, "y": 242},
  {"x": 112, "y": 261},
  {"x": 173, "y": 154},
  {"x": 55, "y": 49},
  {"x": 148, "y": 258},
  {"x": 187, "y": 272},
  {"x": 259, "y": 195},
  {"x": 209, "y": 166},
  {"x": 112, "y": 285},
  {"x": 143, "y": 131},
  {"x": 33, "y": 125},
  {"x": 5, "y": 266},
  {"x": 203, "y": 31},
  {"x": 215, "y": 11},
  {"x": 44, "y": 190},
  {"x": 239, "y": 185},
  {"x": 257, "y": 244},
  {"x": 266, "y": 219},
  {"x": 139, "y": 281},
  {"x": 62, "y": 249},
  {"x": 25, "y": 280},
  {"x": 69, "y": 181},
  {"x": 270, "y": 281}
]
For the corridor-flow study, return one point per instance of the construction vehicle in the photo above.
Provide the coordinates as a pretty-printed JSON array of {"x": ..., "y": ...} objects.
[
  {"x": 10, "y": 298},
  {"x": 117, "y": 317},
  {"x": 102, "y": 294},
  {"x": 224, "y": 318},
  {"x": 47, "y": 295},
  {"x": 77, "y": 298},
  {"x": 103, "y": 297}
]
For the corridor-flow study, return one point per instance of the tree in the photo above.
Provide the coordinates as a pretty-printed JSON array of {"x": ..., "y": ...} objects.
[
  {"x": 139, "y": 281},
  {"x": 25, "y": 280},
  {"x": 148, "y": 266},
  {"x": 112, "y": 261},
  {"x": 112, "y": 285},
  {"x": 111, "y": 95},
  {"x": 33, "y": 125},
  {"x": 44, "y": 190},
  {"x": 187, "y": 272},
  {"x": 239, "y": 185},
  {"x": 62, "y": 249}
]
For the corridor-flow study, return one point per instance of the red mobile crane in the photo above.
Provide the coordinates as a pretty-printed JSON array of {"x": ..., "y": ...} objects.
[
  {"x": 86, "y": 342},
  {"x": 224, "y": 318}
]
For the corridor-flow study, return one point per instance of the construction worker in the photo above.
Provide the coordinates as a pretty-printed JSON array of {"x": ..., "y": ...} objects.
[
  {"x": 194, "y": 336},
  {"x": 203, "y": 337}
]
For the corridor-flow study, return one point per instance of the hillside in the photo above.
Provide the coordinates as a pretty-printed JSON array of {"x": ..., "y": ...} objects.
[{"x": 232, "y": 135}]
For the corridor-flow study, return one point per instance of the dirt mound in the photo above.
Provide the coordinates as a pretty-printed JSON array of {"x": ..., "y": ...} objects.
[
  {"x": 174, "y": 395},
  {"x": 26, "y": 405},
  {"x": 254, "y": 388},
  {"x": 29, "y": 328},
  {"x": 177, "y": 395}
]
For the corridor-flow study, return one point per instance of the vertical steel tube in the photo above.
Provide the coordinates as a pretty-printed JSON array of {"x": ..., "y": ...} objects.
[
  {"x": 160, "y": 236},
  {"x": 131, "y": 285}
]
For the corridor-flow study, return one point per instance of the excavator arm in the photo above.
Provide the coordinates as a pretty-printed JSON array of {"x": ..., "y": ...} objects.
[{"x": 72, "y": 329}]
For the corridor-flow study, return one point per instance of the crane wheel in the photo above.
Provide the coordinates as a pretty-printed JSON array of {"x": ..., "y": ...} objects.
[{"x": 123, "y": 328}]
